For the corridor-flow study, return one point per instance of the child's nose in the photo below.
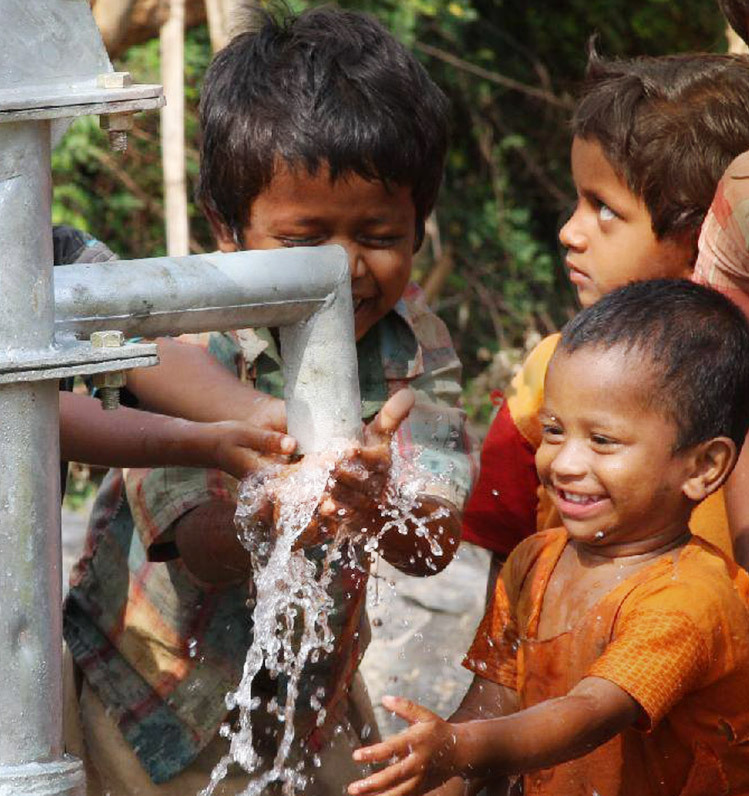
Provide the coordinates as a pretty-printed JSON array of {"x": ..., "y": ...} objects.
[
  {"x": 571, "y": 235},
  {"x": 569, "y": 461},
  {"x": 356, "y": 262}
]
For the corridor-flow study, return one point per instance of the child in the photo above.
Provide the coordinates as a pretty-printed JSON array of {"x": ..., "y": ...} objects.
[
  {"x": 615, "y": 656},
  {"x": 316, "y": 129},
  {"x": 651, "y": 138},
  {"x": 723, "y": 263}
]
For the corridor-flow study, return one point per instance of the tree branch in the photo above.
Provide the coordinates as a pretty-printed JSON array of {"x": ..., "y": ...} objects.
[{"x": 493, "y": 77}]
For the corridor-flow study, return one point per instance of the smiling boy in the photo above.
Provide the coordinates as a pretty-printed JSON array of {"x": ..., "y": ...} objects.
[
  {"x": 614, "y": 658},
  {"x": 317, "y": 128},
  {"x": 652, "y": 137}
]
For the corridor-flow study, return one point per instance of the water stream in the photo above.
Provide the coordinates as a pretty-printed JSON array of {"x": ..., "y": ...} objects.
[{"x": 292, "y": 603}]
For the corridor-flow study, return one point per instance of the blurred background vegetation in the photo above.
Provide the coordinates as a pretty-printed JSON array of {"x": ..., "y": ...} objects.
[{"x": 490, "y": 264}]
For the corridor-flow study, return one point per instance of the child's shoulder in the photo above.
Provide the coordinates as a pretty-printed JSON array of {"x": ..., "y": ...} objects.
[
  {"x": 430, "y": 330},
  {"x": 435, "y": 351},
  {"x": 702, "y": 582},
  {"x": 541, "y": 549}
]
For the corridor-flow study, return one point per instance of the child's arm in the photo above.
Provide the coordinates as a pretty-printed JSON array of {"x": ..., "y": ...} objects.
[
  {"x": 432, "y": 751},
  {"x": 131, "y": 438},
  {"x": 190, "y": 382}
]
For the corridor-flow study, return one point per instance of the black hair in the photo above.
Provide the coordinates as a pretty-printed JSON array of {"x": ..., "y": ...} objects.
[
  {"x": 698, "y": 342},
  {"x": 737, "y": 14},
  {"x": 669, "y": 126},
  {"x": 326, "y": 87}
]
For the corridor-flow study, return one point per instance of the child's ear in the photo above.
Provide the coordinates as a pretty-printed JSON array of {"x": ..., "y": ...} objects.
[
  {"x": 225, "y": 239},
  {"x": 711, "y": 463}
]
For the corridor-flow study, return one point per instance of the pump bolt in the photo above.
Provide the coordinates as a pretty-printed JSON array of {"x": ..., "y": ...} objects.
[
  {"x": 109, "y": 384},
  {"x": 117, "y": 126},
  {"x": 114, "y": 80}
]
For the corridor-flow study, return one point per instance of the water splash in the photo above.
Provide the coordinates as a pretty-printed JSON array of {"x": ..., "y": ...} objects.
[
  {"x": 290, "y": 617},
  {"x": 292, "y": 599}
]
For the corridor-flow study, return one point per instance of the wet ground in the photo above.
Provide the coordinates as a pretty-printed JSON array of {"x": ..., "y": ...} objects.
[{"x": 421, "y": 627}]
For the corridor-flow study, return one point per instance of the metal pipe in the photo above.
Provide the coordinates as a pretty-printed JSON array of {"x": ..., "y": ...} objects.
[
  {"x": 305, "y": 290},
  {"x": 30, "y": 555},
  {"x": 173, "y": 295}
]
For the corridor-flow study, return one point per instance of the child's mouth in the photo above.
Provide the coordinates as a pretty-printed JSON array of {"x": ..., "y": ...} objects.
[{"x": 578, "y": 505}]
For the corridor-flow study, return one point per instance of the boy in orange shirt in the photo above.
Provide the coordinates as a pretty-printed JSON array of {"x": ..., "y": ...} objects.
[
  {"x": 652, "y": 137},
  {"x": 614, "y": 658}
]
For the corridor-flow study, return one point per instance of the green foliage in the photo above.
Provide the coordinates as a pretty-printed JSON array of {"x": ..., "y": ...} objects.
[
  {"x": 506, "y": 182},
  {"x": 119, "y": 197}
]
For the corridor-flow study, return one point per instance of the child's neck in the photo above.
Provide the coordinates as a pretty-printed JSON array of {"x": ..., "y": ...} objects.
[
  {"x": 586, "y": 573},
  {"x": 634, "y": 551}
]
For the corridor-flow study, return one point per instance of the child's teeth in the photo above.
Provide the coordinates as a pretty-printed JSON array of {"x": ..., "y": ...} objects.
[{"x": 573, "y": 498}]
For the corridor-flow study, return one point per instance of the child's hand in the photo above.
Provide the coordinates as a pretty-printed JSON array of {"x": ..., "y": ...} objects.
[
  {"x": 237, "y": 447},
  {"x": 358, "y": 480},
  {"x": 421, "y": 758}
]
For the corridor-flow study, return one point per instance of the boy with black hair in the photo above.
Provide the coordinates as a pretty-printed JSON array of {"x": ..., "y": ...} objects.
[
  {"x": 652, "y": 136},
  {"x": 614, "y": 658},
  {"x": 317, "y": 128}
]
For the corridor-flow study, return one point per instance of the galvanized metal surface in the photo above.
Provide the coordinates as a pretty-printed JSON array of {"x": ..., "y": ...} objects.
[
  {"x": 169, "y": 295},
  {"x": 30, "y": 620},
  {"x": 63, "y": 777},
  {"x": 309, "y": 287},
  {"x": 49, "y": 43},
  {"x": 73, "y": 358}
]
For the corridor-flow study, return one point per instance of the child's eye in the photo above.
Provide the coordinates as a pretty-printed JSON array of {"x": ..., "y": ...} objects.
[
  {"x": 290, "y": 241},
  {"x": 551, "y": 431},
  {"x": 601, "y": 440},
  {"x": 605, "y": 213},
  {"x": 380, "y": 241}
]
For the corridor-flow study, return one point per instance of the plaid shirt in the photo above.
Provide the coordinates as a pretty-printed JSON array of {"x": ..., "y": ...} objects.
[
  {"x": 162, "y": 650},
  {"x": 723, "y": 258}
]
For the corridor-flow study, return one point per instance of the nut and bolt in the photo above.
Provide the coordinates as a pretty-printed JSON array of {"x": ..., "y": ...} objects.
[
  {"x": 114, "y": 80},
  {"x": 109, "y": 384},
  {"x": 118, "y": 126}
]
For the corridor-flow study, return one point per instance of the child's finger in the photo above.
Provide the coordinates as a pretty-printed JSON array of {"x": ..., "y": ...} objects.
[
  {"x": 383, "y": 751},
  {"x": 392, "y": 414},
  {"x": 265, "y": 441},
  {"x": 412, "y": 712},
  {"x": 393, "y": 777}
]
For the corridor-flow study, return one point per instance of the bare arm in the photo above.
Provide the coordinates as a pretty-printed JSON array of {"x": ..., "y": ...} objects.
[
  {"x": 131, "y": 438},
  {"x": 209, "y": 546},
  {"x": 416, "y": 554},
  {"x": 484, "y": 699},
  {"x": 433, "y": 751},
  {"x": 189, "y": 382}
]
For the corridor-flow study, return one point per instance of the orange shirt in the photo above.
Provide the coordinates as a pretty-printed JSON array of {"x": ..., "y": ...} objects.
[
  {"x": 675, "y": 636},
  {"x": 508, "y": 504}
]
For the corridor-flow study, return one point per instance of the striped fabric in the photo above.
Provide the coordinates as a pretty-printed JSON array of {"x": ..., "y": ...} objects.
[{"x": 160, "y": 649}]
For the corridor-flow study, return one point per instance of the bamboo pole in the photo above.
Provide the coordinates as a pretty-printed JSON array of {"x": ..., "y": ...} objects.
[{"x": 173, "y": 129}]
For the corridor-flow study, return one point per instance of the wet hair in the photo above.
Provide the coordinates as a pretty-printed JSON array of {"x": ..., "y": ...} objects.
[
  {"x": 669, "y": 126},
  {"x": 737, "y": 14},
  {"x": 325, "y": 88},
  {"x": 697, "y": 341}
]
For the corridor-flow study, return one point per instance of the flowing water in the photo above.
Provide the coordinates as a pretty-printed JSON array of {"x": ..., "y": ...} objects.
[{"x": 292, "y": 602}]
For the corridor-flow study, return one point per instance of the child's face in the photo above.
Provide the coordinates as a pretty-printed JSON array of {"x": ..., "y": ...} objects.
[
  {"x": 606, "y": 457},
  {"x": 374, "y": 224},
  {"x": 609, "y": 239}
]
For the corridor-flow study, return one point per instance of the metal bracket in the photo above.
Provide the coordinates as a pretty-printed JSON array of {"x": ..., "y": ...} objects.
[
  {"x": 75, "y": 358},
  {"x": 59, "y": 778}
]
